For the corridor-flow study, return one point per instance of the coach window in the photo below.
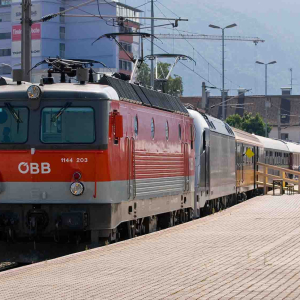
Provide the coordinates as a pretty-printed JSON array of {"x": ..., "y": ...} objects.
[
  {"x": 152, "y": 128},
  {"x": 271, "y": 159},
  {"x": 60, "y": 125},
  {"x": 179, "y": 131},
  {"x": 13, "y": 124},
  {"x": 136, "y": 126},
  {"x": 167, "y": 130}
]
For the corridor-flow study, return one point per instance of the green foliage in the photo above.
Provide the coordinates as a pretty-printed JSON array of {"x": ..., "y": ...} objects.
[
  {"x": 173, "y": 86},
  {"x": 249, "y": 123},
  {"x": 143, "y": 75}
]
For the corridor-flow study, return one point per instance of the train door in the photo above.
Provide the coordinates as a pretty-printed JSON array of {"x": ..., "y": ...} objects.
[
  {"x": 239, "y": 163},
  {"x": 255, "y": 160},
  {"x": 186, "y": 166},
  {"x": 204, "y": 163},
  {"x": 130, "y": 154}
]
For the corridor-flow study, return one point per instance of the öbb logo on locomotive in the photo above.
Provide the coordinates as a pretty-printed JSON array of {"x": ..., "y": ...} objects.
[{"x": 34, "y": 168}]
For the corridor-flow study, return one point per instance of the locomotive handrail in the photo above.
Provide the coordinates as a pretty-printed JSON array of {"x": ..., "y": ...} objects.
[
  {"x": 127, "y": 145},
  {"x": 282, "y": 176}
]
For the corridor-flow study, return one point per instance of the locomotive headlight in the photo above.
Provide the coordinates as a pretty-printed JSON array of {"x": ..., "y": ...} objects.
[
  {"x": 77, "y": 188},
  {"x": 33, "y": 92}
]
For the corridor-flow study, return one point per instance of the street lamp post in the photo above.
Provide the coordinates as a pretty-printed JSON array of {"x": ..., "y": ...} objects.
[
  {"x": 266, "y": 90},
  {"x": 223, "y": 64}
]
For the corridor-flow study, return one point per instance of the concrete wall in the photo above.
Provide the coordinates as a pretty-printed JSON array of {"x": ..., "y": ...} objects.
[{"x": 293, "y": 133}]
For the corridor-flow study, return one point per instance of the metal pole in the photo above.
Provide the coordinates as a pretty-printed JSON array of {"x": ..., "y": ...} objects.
[
  {"x": 266, "y": 80},
  {"x": 223, "y": 83},
  {"x": 203, "y": 102},
  {"x": 279, "y": 124},
  {"x": 291, "y": 69},
  {"x": 26, "y": 40},
  {"x": 152, "y": 40},
  {"x": 266, "y": 93}
]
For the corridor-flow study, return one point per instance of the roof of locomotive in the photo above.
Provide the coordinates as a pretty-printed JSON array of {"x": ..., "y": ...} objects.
[
  {"x": 293, "y": 147},
  {"x": 214, "y": 124},
  {"x": 246, "y": 137},
  {"x": 106, "y": 88},
  {"x": 14, "y": 91},
  {"x": 273, "y": 144},
  {"x": 199, "y": 121},
  {"x": 144, "y": 96},
  {"x": 218, "y": 125}
]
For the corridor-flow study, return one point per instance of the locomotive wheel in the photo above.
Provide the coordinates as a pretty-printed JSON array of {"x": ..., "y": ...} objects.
[
  {"x": 217, "y": 205},
  {"x": 131, "y": 229}
]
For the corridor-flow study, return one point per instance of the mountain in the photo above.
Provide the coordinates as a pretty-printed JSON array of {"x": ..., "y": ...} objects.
[{"x": 274, "y": 21}]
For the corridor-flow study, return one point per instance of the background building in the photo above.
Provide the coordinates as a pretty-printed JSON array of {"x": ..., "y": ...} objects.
[
  {"x": 282, "y": 110},
  {"x": 68, "y": 37}
]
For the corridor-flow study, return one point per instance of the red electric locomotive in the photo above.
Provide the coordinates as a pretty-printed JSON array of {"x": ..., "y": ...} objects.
[{"x": 84, "y": 164}]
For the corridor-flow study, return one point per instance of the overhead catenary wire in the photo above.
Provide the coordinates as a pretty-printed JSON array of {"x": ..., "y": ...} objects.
[
  {"x": 186, "y": 66},
  {"x": 196, "y": 49},
  {"x": 234, "y": 97}
]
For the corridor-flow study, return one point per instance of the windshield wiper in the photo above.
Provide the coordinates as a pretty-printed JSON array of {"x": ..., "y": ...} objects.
[
  {"x": 54, "y": 118},
  {"x": 13, "y": 112}
]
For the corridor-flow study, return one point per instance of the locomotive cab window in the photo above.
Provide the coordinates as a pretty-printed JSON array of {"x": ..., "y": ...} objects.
[
  {"x": 71, "y": 125},
  {"x": 13, "y": 124}
]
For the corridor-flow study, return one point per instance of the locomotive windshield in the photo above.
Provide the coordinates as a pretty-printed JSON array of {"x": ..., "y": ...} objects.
[
  {"x": 13, "y": 124},
  {"x": 68, "y": 125}
]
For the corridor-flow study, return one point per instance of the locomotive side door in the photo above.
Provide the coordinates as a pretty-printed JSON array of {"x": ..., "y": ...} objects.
[
  {"x": 130, "y": 148},
  {"x": 204, "y": 163}
]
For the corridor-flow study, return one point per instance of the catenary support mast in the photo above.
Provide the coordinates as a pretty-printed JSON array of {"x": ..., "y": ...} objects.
[
  {"x": 26, "y": 40},
  {"x": 152, "y": 41}
]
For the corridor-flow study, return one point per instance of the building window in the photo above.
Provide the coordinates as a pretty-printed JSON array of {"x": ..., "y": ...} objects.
[
  {"x": 62, "y": 48},
  {"x": 62, "y": 33},
  {"x": 5, "y": 36},
  {"x": 5, "y": 52},
  {"x": 61, "y": 18},
  {"x": 285, "y": 136},
  {"x": 179, "y": 131},
  {"x": 5, "y": 2},
  {"x": 127, "y": 47},
  {"x": 5, "y": 17},
  {"x": 125, "y": 65},
  {"x": 124, "y": 29},
  {"x": 5, "y": 70}
]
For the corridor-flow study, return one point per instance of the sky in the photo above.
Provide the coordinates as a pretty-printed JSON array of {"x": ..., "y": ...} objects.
[{"x": 275, "y": 21}]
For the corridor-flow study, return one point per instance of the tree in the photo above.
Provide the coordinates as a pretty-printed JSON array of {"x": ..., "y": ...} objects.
[
  {"x": 249, "y": 123},
  {"x": 143, "y": 75},
  {"x": 173, "y": 86}
]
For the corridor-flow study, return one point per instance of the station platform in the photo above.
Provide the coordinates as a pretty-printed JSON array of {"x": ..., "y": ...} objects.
[{"x": 249, "y": 251}]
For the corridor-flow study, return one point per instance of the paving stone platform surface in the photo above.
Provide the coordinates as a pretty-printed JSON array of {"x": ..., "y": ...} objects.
[{"x": 249, "y": 251}]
